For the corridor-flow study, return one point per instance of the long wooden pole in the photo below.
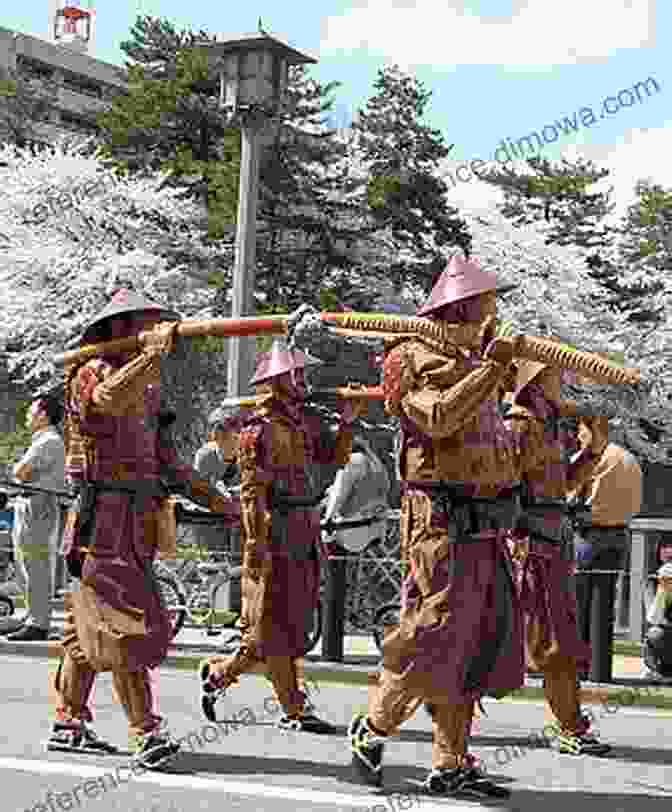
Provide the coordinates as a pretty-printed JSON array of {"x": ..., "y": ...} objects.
[
  {"x": 220, "y": 328},
  {"x": 344, "y": 392},
  {"x": 374, "y": 325}
]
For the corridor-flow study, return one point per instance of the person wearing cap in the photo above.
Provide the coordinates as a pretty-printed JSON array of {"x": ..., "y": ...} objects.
[
  {"x": 658, "y": 639},
  {"x": 460, "y": 632},
  {"x": 280, "y": 519},
  {"x": 217, "y": 461},
  {"x": 542, "y": 547},
  {"x": 121, "y": 459},
  {"x": 607, "y": 480}
]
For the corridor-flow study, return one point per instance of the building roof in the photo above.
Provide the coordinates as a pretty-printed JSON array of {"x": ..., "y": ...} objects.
[{"x": 258, "y": 41}]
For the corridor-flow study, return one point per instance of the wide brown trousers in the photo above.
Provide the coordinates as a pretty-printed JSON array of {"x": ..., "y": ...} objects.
[{"x": 75, "y": 676}]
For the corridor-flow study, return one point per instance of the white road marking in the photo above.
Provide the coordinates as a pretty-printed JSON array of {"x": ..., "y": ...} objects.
[
  {"x": 277, "y": 792},
  {"x": 613, "y": 789}
]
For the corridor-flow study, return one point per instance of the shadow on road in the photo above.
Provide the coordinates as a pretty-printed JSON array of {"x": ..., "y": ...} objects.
[{"x": 402, "y": 780}]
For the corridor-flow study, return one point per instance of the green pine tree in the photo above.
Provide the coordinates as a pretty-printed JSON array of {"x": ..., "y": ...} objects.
[
  {"x": 636, "y": 272},
  {"x": 169, "y": 121},
  {"x": 405, "y": 195},
  {"x": 309, "y": 229},
  {"x": 557, "y": 193}
]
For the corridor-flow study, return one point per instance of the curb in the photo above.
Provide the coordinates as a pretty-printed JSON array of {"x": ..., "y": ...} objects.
[{"x": 624, "y": 693}]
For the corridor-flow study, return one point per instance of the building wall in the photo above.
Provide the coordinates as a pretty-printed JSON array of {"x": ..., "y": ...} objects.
[{"x": 82, "y": 81}]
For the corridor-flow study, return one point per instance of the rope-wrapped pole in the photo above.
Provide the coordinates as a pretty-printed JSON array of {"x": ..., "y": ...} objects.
[
  {"x": 529, "y": 348},
  {"x": 588, "y": 364}
]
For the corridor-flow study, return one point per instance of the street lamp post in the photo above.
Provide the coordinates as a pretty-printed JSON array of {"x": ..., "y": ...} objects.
[{"x": 252, "y": 74}]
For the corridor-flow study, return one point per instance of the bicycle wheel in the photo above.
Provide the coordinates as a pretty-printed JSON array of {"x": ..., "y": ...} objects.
[
  {"x": 174, "y": 601},
  {"x": 314, "y": 632},
  {"x": 384, "y": 618},
  {"x": 221, "y": 618},
  {"x": 6, "y": 606}
]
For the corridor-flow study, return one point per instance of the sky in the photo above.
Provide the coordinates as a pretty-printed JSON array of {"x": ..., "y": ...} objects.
[{"x": 499, "y": 70}]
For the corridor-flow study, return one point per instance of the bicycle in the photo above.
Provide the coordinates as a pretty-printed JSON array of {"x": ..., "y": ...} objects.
[
  {"x": 192, "y": 590},
  {"x": 7, "y": 606}
]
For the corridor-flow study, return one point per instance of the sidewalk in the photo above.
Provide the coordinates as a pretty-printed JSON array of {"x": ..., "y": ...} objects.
[{"x": 361, "y": 658}]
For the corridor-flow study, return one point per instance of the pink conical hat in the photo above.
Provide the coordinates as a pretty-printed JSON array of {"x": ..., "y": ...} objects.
[
  {"x": 462, "y": 279},
  {"x": 124, "y": 302},
  {"x": 279, "y": 361}
]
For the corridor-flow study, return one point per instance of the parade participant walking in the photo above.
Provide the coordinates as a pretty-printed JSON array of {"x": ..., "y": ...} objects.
[
  {"x": 543, "y": 554},
  {"x": 281, "y": 529},
  {"x": 608, "y": 481},
  {"x": 37, "y": 517},
  {"x": 460, "y": 633},
  {"x": 122, "y": 461}
]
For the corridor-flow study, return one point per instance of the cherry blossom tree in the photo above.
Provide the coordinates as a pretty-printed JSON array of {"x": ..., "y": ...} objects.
[
  {"x": 71, "y": 231},
  {"x": 558, "y": 297}
]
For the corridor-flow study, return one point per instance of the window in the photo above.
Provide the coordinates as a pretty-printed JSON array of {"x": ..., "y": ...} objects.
[
  {"x": 79, "y": 123},
  {"x": 33, "y": 68},
  {"x": 81, "y": 84}
]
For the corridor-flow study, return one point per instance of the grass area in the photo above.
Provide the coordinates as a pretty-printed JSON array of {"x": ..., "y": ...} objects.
[{"x": 627, "y": 648}]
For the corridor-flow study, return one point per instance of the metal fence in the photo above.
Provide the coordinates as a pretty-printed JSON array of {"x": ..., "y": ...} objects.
[{"x": 374, "y": 576}]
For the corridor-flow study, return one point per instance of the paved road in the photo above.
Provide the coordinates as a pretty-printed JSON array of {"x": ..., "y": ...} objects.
[{"x": 258, "y": 767}]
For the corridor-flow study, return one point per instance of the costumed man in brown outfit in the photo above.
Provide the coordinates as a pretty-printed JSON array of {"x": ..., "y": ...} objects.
[
  {"x": 543, "y": 553},
  {"x": 280, "y": 522},
  {"x": 460, "y": 632},
  {"x": 121, "y": 459},
  {"x": 607, "y": 481}
]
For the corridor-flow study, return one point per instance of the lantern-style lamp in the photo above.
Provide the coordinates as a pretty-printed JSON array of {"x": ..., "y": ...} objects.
[{"x": 252, "y": 70}]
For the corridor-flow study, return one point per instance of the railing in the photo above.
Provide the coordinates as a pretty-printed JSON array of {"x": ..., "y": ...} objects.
[{"x": 374, "y": 575}]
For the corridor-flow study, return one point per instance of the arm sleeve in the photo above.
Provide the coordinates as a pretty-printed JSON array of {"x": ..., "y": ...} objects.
[
  {"x": 255, "y": 514},
  {"x": 330, "y": 447},
  {"x": 441, "y": 413},
  {"x": 579, "y": 474},
  {"x": 203, "y": 463},
  {"x": 344, "y": 483},
  {"x": 100, "y": 389},
  {"x": 527, "y": 435},
  {"x": 120, "y": 390},
  {"x": 34, "y": 457},
  {"x": 432, "y": 391},
  {"x": 186, "y": 479}
]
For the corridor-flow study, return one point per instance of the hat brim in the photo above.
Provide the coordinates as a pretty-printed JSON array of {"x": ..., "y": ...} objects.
[
  {"x": 497, "y": 290},
  {"x": 88, "y": 336}
]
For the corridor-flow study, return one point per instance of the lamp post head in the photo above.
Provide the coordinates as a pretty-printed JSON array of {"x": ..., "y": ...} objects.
[{"x": 252, "y": 70}]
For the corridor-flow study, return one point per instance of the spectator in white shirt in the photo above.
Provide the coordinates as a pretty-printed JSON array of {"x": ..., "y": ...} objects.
[{"x": 37, "y": 516}]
